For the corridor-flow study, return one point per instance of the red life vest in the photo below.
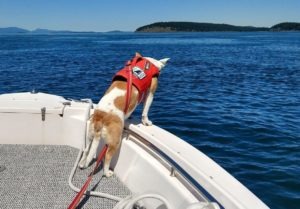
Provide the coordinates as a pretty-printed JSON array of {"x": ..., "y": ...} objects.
[{"x": 142, "y": 73}]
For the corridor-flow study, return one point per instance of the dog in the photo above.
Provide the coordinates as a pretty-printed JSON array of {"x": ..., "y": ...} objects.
[{"x": 115, "y": 107}]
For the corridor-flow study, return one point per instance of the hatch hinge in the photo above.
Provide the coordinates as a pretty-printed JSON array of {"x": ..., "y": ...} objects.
[{"x": 43, "y": 112}]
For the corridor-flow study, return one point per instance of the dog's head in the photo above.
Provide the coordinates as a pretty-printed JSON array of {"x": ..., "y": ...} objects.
[{"x": 160, "y": 64}]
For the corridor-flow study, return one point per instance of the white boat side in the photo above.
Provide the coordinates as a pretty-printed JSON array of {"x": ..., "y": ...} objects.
[{"x": 150, "y": 159}]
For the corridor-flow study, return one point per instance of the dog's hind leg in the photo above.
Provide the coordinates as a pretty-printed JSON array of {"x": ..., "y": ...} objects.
[
  {"x": 87, "y": 149},
  {"x": 95, "y": 143},
  {"x": 84, "y": 155},
  {"x": 95, "y": 136},
  {"x": 113, "y": 139},
  {"x": 109, "y": 154},
  {"x": 95, "y": 130}
]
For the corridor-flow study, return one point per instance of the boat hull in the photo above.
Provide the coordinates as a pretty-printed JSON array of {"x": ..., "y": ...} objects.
[{"x": 150, "y": 159}]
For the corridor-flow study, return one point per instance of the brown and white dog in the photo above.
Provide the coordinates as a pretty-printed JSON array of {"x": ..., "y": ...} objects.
[{"x": 107, "y": 122}]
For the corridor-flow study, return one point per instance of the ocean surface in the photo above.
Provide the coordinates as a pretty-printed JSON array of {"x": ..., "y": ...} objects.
[{"x": 234, "y": 96}]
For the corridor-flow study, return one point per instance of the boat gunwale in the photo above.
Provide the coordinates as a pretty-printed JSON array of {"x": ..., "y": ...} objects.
[{"x": 174, "y": 168}]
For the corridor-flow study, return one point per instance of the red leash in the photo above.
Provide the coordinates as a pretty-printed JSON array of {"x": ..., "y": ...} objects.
[
  {"x": 129, "y": 89},
  {"x": 77, "y": 198}
]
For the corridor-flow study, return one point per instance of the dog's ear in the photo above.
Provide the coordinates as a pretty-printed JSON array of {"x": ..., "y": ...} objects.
[
  {"x": 164, "y": 61},
  {"x": 138, "y": 54}
]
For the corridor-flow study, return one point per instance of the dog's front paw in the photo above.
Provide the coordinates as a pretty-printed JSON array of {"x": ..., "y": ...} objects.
[
  {"x": 146, "y": 121},
  {"x": 109, "y": 173}
]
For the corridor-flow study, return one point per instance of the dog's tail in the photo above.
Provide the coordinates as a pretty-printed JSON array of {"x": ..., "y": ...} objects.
[{"x": 97, "y": 120}]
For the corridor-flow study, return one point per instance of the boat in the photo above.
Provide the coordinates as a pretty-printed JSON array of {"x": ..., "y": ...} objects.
[{"x": 42, "y": 137}]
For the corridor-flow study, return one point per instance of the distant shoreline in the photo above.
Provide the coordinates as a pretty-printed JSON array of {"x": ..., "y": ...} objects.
[
  {"x": 169, "y": 27},
  {"x": 133, "y": 32},
  {"x": 38, "y": 31},
  {"x": 166, "y": 27}
]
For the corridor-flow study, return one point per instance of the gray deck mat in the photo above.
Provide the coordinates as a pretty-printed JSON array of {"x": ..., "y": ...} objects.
[{"x": 37, "y": 177}]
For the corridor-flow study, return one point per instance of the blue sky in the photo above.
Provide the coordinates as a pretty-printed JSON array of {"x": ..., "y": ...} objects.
[{"x": 127, "y": 15}]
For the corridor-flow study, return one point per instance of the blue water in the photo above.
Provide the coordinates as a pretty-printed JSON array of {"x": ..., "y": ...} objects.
[{"x": 234, "y": 96}]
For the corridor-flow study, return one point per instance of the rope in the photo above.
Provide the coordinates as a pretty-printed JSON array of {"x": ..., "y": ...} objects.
[
  {"x": 92, "y": 193},
  {"x": 127, "y": 203}
]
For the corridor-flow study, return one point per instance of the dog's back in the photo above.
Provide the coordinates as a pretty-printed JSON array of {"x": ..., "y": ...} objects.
[{"x": 114, "y": 100}]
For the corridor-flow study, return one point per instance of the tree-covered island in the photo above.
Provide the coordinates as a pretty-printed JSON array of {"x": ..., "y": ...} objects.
[{"x": 212, "y": 27}]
